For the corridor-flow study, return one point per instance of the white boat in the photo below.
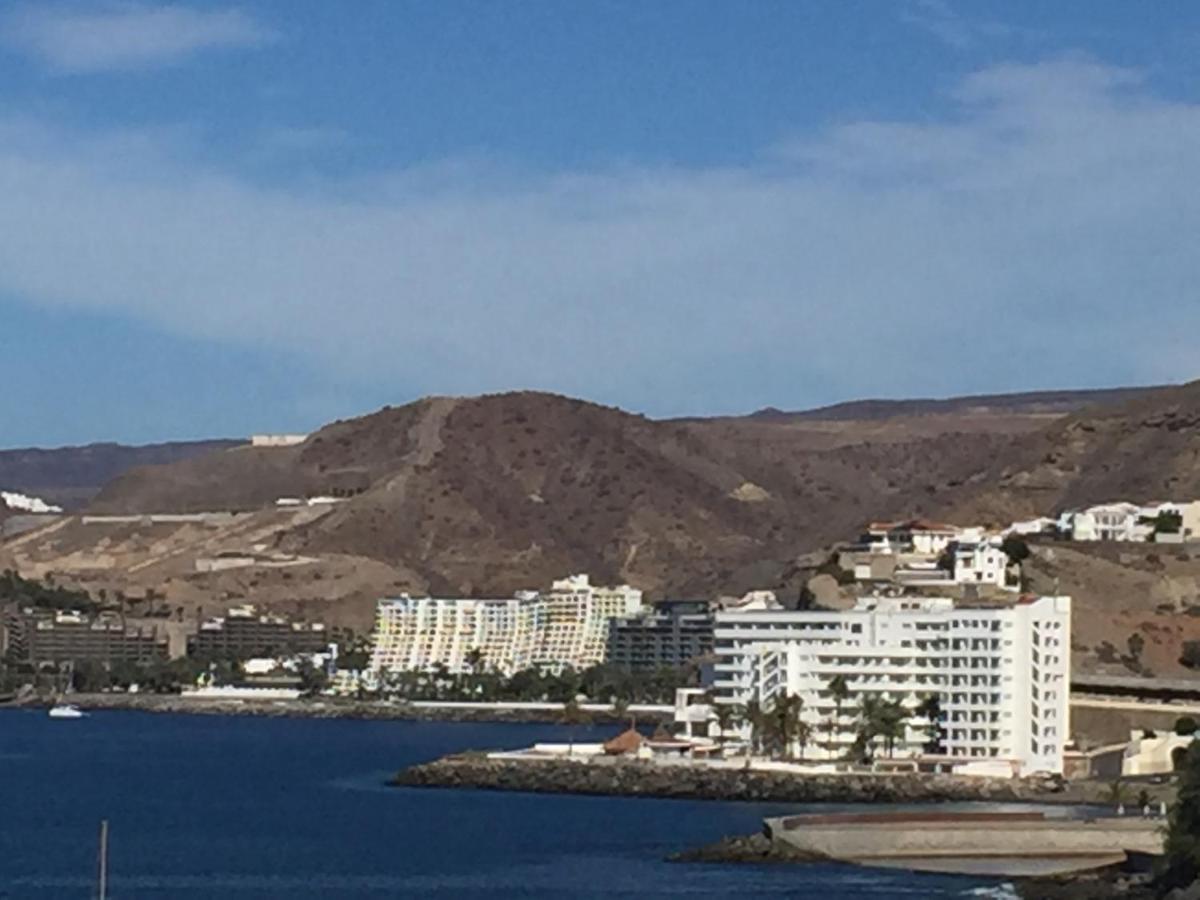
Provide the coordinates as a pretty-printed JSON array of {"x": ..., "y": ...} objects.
[{"x": 66, "y": 711}]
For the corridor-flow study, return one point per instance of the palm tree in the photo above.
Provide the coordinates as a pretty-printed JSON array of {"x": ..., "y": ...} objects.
[
  {"x": 785, "y": 719},
  {"x": 841, "y": 692},
  {"x": 474, "y": 659},
  {"x": 757, "y": 720},
  {"x": 870, "y": 718},
  {"x": 803, "y": 735},
  {"x": 727, "y": 719},
  {"x": 891, "y": 726},
  {"x": 930, "y": 709}
]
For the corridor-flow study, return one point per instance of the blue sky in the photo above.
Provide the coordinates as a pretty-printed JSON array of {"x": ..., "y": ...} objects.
[{"x": 220, "y": 219}]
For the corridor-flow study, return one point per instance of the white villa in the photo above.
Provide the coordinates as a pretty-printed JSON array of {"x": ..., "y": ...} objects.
[
  {"x": 1002, "y": 674},
  {"x": 1130, "y": 522},
  {"x": 922, "y": 554}
]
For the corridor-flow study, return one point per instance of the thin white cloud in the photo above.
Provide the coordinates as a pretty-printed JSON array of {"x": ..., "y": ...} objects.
[
  {"x": 957, "y": 31},
  {"x": 122, "y": 35},
  {"x": 1040, "y": 235}
]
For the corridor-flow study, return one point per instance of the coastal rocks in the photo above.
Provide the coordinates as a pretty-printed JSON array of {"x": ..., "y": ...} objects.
[
  {"x": 330, "y": 708},
  {"x": 608, "y": 776},
  {"x": 1100, "y": 884},
  {"x": 750, "y": 848}
]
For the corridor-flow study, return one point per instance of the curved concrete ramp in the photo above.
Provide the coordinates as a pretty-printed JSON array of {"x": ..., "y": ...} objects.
[{"x": 1002, "y": 844}]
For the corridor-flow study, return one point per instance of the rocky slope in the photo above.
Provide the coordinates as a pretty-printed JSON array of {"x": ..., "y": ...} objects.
[
  {"x": 488, "y": 494},
  {"x": 71, "y": 476},
  {"x": 1143, "y": 449}
]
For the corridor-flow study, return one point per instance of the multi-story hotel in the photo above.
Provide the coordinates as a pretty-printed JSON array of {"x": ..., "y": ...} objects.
[
  {"x": 577, "y": 617},
  {"x": 668, "y": 635},
  {"x": 421, "y": 633},
  {"x": 565, "y": 627},
  {"x": 243, "y": 632},
  {"x": 1001, "y": 674}
]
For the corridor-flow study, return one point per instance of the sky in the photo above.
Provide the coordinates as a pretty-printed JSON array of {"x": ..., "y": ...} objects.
[{"x": 221, "y": 219}]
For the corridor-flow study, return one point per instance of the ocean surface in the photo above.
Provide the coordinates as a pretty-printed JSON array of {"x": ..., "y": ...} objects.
[{"x": 241, "y": 807}]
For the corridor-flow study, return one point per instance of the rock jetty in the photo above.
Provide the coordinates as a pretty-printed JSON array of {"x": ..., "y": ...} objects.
[
  {"x": 328, "y": 708},
  {"x": 749, "y": 848},
  {"x": 640, "y": 778}
]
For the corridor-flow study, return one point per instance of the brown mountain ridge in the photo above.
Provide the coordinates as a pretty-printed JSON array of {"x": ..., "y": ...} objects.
[{"x": 483, "y": 495}]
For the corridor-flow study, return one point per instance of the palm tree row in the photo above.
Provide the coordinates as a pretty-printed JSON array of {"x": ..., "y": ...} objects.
[{"x": 778, "y": 728}]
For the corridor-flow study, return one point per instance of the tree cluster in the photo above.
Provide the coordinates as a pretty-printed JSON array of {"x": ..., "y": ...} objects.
[{"x": 42, "y": 594}]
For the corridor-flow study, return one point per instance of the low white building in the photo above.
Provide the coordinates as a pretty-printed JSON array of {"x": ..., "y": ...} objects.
[
  {"x": 1040, "y": 525},
  {"x": 1157, "y": 754},
  {"x": 1001, "y": 675},
  {"x": 909, "y": 536},
  {"x": 1133, "y": 522},
  {"x": 1108, "y": 522},
  {"x": 277, "y": 440},
  {"x": 979, "y": 562}
]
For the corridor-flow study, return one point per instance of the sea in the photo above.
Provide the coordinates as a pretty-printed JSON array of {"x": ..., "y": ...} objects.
[{"x": 244, "y": 807}]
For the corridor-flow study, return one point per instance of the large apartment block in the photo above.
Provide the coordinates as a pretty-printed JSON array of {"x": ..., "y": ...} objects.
[
  {"x": 44, "y": 636},
  {"x": 577, "y": 618},
  {"x": 243, "y": 632},
  {"x": 1002, "y": 674},
  {"x": 421, "y": 633},
  {"x": 565, "y": 627},
  {"x": 669, "y": 635}
]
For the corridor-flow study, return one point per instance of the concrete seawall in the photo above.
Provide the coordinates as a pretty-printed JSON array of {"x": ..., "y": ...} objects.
[{"x": 637, "y": 778}]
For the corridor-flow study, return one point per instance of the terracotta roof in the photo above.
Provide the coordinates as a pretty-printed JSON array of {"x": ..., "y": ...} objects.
[{"x": 628, "y": 741}]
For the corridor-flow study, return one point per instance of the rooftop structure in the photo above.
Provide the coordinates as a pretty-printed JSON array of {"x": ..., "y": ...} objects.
[{"x": 1001, "y": 675}]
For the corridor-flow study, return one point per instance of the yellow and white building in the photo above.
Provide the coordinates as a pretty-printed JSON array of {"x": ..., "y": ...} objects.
[{"x": 566, "y": 627}]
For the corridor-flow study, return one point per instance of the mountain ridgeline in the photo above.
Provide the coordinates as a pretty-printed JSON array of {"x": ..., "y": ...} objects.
[{"x": 488, "y": 494}]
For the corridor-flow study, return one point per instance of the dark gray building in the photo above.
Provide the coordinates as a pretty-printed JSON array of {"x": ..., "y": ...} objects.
[
  {"x": 243, "y": 633},
  {"x": 45, "y": 636},
  {"x": 670, "y": 634}
]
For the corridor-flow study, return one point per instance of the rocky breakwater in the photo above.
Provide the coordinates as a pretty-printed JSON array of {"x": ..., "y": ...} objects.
[
  {"x": 641, "y": 778},
  {"x": 325, "y": 708}
]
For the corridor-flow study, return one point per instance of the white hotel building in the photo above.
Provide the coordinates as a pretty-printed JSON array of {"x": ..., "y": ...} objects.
[
  {"x": 1002, "y": 673},
  {"x": 565, "y": 627}
]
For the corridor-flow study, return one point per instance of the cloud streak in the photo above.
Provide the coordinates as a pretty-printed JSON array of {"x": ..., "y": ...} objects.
[
  {"x": 1017, "y": 244},
  {"x": 126, "y": 35}
]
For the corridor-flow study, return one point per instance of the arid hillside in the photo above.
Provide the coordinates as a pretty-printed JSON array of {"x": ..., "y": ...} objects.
[
  {"x": 488, "y": 494},
  {"x": 1141, "y": 450},
  {"x": 71, "y": 476}
]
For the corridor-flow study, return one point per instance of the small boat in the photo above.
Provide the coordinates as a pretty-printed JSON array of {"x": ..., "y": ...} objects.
[{"x": 66, "y": 711}]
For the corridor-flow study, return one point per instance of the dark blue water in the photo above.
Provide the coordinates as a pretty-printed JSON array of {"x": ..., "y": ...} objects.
[{"x": 232, "y": 807}]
